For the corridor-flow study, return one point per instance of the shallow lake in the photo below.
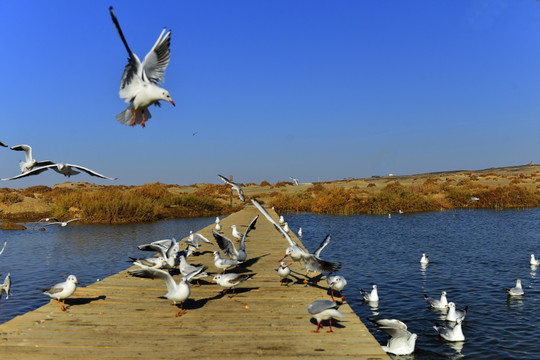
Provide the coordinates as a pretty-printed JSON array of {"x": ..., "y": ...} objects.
[{"x": 474, "y": 255}]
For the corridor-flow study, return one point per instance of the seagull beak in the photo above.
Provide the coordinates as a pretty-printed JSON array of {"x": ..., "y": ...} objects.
[
  {"x": 172, "y": 102},
  {"x": 283, "y": 258}
]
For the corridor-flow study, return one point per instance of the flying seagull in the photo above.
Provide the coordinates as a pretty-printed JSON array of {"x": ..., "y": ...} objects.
[
  {"x": 139, "y": 84},
  {"x": 61, "y": 168},
  {"x": 2, "y": 144},
  {"x": 235, "y": 186},
  {"x": 29, "y": 162},
  {"x": 295, "y": 180}
]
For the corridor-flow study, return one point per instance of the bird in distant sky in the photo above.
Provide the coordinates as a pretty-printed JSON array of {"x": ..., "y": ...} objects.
[{"x": 139, "y": 86}]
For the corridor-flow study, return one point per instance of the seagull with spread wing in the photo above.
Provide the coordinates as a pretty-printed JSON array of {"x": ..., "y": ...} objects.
[
  {"x": 227, "y": 245},
  {"x": 139, "y": 86},
  {"x": 29, "y": 162},
  {"x": 61, "y": 168},
  {"x": 235, "y": 186}
]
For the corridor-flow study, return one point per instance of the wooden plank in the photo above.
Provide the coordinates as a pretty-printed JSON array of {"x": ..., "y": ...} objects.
[{"x": 121, "y": 317}]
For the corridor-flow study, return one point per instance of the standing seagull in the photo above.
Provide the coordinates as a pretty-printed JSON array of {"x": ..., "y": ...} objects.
[
  {"x": 517, "y": 290},
  {"x": 235, "y": 186},
  {"x": 401, "y": 341},
  {"x": 6, "y": 287},
  {"x": 283, "y": 271},
  {"x": 324, "y": 310},
  {"x": 61, "y": 168},
  {"x": 231, "y": 280},
  {"x": 62, "y": 290},
  {"x": 336, "y": 282},
  {"x": 139, "y": 85},
  {"x": 222, "y": 263},
  {"x": 29, "y": 162}
]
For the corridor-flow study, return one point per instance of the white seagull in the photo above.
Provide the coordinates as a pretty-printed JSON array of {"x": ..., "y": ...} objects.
[
  {"x": 222, "y": 263},
  {"x": 237, "y": 234},
  {"x": 324, "y": 310},
  {"x": 62, "y": 290},
  {"x": 450, "y": 334},
  {"x": 283, "y": 271},
  {"x": 371, "y": 296},
  {"x": 455, "y": 314},
  {"x": 424, "y": 260},
  {"x": 29, "y": 162},
  {"x": 295, "y": 180},
  {"x": 186, "y": 268},
  {"x": 401, "y": 341},
  {"x": 300, "y": 232},
  {"x": 281, "y": 219},
  {"x": 286, "y": 227},
  {"x": 194, "y": 240},
  {"x": 336, "y": 282},
  {"x": 150, "y": 263},
  {"x": 3, "y": 247},
  {"x": 437, "y": 303},
  {"x": 517, "y": 290},
  {"x": 217, "y": 227},
  {"x": 312, "y": 262},
  {"x": 6, "y": 287},
  {"x": 62, "y": 223},
  {"x": 61, "y": 168},
  {"x": 534, "y": 261},
  {"x": 231, "y": 280},
  {"x": 177, "y": 292},
  {"x": 167, "y": 248},
  {"x": 235, "y": 186},
  {"x": 139, "y": 84},
  {"x": 227, "y": 246}
]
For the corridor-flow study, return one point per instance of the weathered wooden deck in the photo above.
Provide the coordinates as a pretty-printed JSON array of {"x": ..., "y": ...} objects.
[{"x": 121, "y": 317}]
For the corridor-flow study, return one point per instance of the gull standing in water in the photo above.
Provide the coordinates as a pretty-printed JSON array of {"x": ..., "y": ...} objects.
[
  {"x": 29, "y": 162},
  {"x": 450, "y": 334},
  {"x": 534, "y": 261},
  {"x": 437, "y": 303},
  {"x": 139, "y": 85},
  {"x": 62, "y": 290},
  {"x": 371, "y": 296},
  {"x": 61, "y": 168},
  {"x": 516, "y": 290},
  {"x": 312, "y": 262},
  {"x": 6, "y": 287},
  {"x": 400, "y": 340},
  {"x": 454, "y": 314},
  {"x": 424, "y": 260},
  {"x": 235, "y": 186},
  {"x": 322, "y": 310}
]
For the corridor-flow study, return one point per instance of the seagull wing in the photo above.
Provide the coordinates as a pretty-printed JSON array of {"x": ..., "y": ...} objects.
[
  {"x": 160, "y": 274},
  {"x": 250, "y": 227},
  {"x": 195, "y": 273},
  {"x": 267, "y": 215},
  {"x": 34, "y": 171},
  {"x": 156, "y": 61},
  {"x": 198, "y": 238},
  {"x": 388, "y": 323},
  {"x": 90, "y": 172},
  {"x": 325, "y": 242},
  {"x": 315, "y": 264},
  {"x": 226, "y": 245},
  {"x": 3, "y": 247},
  {"x": 225, "y": 179},
  {"x": 27, "y": 151}
]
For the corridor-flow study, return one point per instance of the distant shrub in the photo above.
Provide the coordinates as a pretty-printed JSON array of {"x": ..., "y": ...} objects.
[
  {"x": 265, "y": 183},
  {"x": 10, "y": 198}
]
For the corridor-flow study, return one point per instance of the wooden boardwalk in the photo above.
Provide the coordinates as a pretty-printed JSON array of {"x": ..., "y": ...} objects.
[{"x": 121, "y": 317}]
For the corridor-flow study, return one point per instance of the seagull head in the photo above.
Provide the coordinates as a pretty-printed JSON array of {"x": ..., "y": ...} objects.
[{"x": 167, "y": 97}]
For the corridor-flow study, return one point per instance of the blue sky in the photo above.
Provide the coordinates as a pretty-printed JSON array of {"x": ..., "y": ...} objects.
[{"x": 318, "y": 90}]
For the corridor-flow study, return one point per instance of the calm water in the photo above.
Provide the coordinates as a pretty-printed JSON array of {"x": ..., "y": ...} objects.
[{"x": 474, "y": 255}]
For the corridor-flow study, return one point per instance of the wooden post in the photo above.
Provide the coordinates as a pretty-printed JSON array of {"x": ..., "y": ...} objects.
[{"x": 230, "y": 178}]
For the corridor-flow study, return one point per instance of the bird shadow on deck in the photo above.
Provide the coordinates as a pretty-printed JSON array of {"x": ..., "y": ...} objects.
[
  {"x": 326, "y": 323},
  {"x": 74, "y": 301}
]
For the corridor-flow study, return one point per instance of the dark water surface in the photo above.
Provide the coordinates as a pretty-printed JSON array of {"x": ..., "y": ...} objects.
[{"x": 474, "y": 255}]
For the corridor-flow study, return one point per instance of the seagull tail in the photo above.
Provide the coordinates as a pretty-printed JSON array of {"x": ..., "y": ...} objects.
[
  {"x": 22, "y": 165},
  {"x": 126, "y": 116}
]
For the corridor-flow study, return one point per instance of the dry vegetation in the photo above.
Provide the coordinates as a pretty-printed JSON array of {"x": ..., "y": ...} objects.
[{"x": 501, "y": 188}]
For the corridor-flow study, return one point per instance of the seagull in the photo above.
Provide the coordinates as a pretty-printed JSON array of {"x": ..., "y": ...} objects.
[
  {"x": 62, "y": 223},
  {"x": 227, "y": 246},
  {"x": 29, "y": 162},
  {"x": 534, "y": 261},
  {"x": 295, "y": 180},
  {"x": 186, "y": 268},
  {"x": 218, "y": 220},
  {"x": 283, "y": 271},
  {"x": 312, "y": 262},
  {"x": 62, "y": 290},
  {"x": 61, "y": 168},
  {"x": 300, "y": 232},
  {"x": 456, "y": 315},
  {"x": 6, "y": 287},
  {"x": 474, "y": 198},
  {"x": 222, "y": 263},
  {"x": 336, "y": 282},
  {"x": 149, "y": 263},
  {"x": 3, "y": 247},
  {"x": 237, "y": 234},
  {"x": 281, "y": 219},
  {"x": 177, "y": 292},
  {"x": 517, "y": 290},
  {"x": 231, "y": 280},
  {"x": 286, "y": 227},
  {"x": 48, "y": 219},
  {"x": 235, "y": 186},
  {"x": 450, "y": 334},
  {"x": 194, "y": 240},
  {"x": 371, "y": 296},
  {"x": 437, "y": 304},
  {"x": 2, "y": 144},
  {"x": 324, "y": 310},
  {"x": 139, "y": 85},
  {"x": 400, "y": 341},
  {"x": 424, "y": 260}
]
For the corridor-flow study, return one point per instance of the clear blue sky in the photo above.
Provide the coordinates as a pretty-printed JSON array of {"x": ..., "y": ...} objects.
[{"x": 319, "y": 90}]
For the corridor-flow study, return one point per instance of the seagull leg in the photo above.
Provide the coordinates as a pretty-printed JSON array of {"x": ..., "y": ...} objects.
[
  {"x": 319, "y": 325},
  {"x": 233, "y": 294},
  {"x": 329, "y": 331},
  {"x": 134, "y": 117},
  {"x": 62, "y": 307},
  {"x": 332, "y": 292},
  {"x": 143, "y": 119},
  {"x": 181, "y": 312}
]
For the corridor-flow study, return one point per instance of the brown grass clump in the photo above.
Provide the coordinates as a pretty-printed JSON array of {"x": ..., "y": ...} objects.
[
  {"x": 265, "y": 183},
  {"x": 9, "y": 198}
]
